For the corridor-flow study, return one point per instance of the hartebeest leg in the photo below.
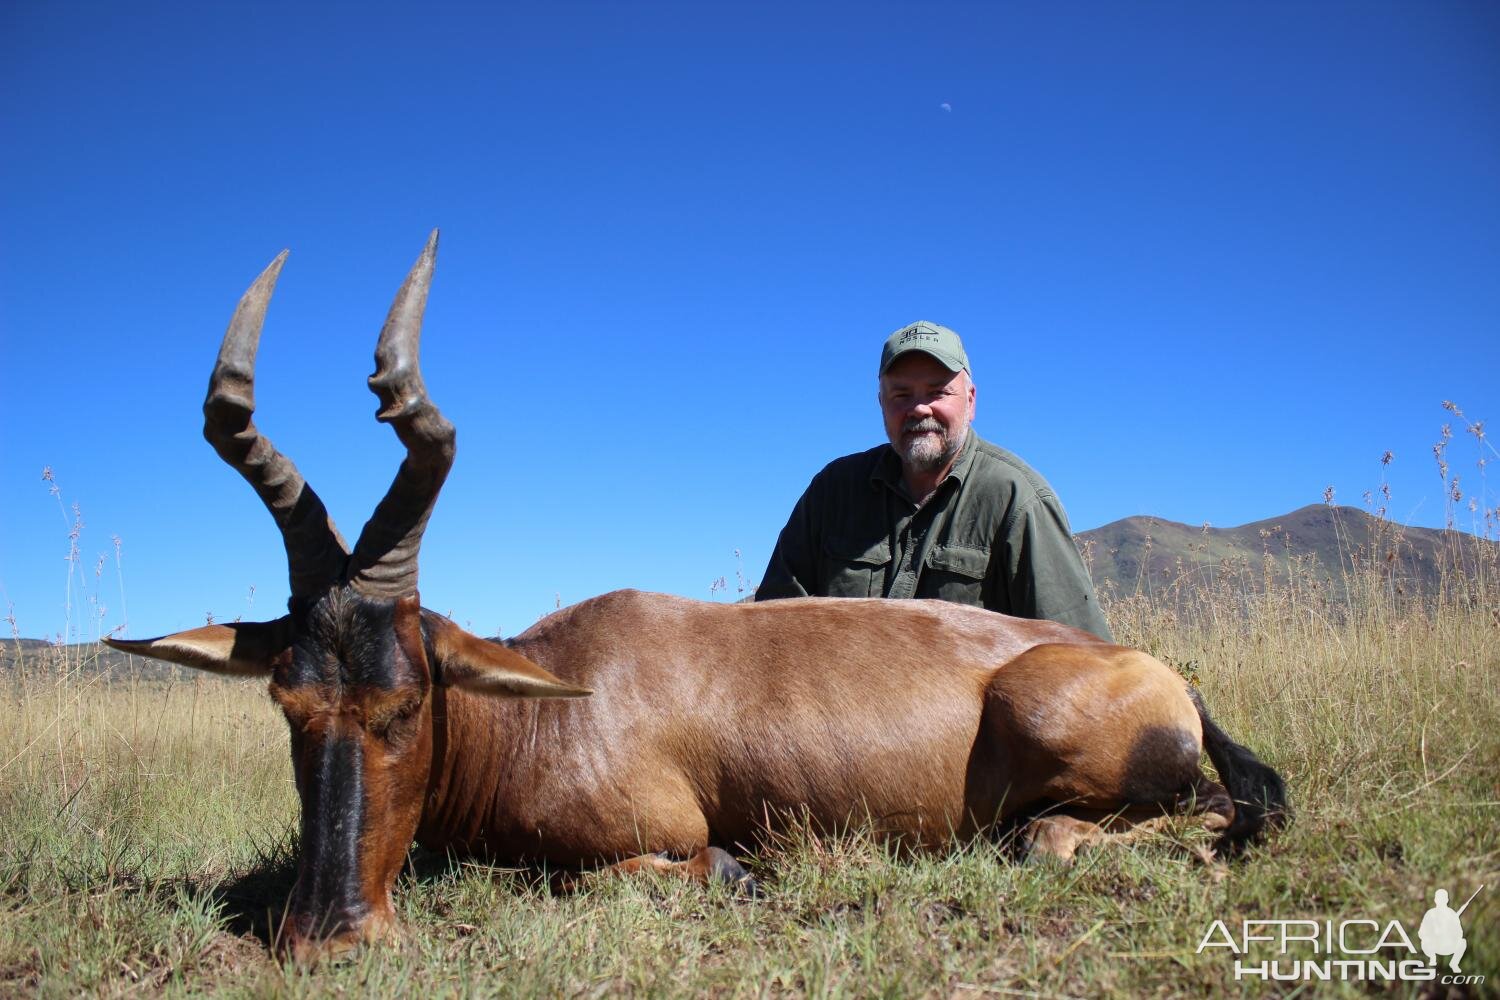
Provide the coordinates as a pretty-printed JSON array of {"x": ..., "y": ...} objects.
[
  {"x": 1044, "y": 731},
  {"x": 1063, "y": 833},
  {"x": 1106, "y": 772},
  {"x": 712, "y": 864},
  {"x": 1058, "y": 835}
]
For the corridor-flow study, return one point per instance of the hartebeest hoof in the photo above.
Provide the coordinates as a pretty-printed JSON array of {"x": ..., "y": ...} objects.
[
  {"x": 721, "y": 866},
  {"x": 712, "y": 864}
]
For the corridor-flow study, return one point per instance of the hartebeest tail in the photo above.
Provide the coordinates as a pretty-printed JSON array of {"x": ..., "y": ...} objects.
[{"x": 1258, "y": 792}]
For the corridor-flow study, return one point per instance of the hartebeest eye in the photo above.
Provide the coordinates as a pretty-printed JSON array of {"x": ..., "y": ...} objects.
[
  {"x": 299, "y": 704},
  {"x": 395, "y": 721},
  {"x": 296, "y": 718}
]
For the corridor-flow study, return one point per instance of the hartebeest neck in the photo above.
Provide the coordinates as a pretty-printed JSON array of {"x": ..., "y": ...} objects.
[{"x": 480, "y": 759}]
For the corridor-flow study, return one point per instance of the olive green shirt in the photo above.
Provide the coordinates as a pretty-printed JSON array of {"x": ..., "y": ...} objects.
[{"x": 993, "y": 535}]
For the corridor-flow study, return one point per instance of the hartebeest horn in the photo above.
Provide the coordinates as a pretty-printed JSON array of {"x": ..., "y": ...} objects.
[
  {"x": 385, "y": 557},
  {"x": 315, "y": 552}
]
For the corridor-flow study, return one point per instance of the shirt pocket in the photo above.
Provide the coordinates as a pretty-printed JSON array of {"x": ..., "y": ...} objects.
[
  {"x": 956, "y": 573},
  {"x": 855, "y": 567}
]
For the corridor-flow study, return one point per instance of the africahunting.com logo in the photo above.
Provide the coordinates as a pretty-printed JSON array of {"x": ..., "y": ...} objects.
[{"x": 1356, "y": 949}]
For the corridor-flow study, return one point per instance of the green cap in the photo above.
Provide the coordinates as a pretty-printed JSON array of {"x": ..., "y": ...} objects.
[{"x": 929, "y": 338}]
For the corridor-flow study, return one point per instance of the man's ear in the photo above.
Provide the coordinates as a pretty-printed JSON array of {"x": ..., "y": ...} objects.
[
  {"x": 475, "y": 664},
  {"x": 240, "y": 649}
]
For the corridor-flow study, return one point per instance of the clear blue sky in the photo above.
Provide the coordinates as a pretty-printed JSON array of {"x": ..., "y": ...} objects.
[{"x": 1207, "y": 259}]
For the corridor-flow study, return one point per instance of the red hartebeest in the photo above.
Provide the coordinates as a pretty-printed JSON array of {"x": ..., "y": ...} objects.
[{"x": 703, "y": 722}]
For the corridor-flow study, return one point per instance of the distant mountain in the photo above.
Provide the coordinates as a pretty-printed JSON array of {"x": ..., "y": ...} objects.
[{"x": 1146, "y": 554}]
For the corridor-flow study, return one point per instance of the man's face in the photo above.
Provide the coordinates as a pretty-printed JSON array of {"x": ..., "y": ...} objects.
[{"x": 927, "y": 410}]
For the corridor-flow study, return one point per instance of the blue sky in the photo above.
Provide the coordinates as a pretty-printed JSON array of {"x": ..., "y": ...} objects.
[{"x": 1207, "y": 260}]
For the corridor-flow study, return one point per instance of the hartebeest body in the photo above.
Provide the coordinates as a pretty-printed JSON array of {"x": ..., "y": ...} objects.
[{"x": 634, "y": 728}]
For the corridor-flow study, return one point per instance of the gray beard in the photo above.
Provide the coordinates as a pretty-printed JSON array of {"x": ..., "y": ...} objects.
[{"x": 929, "y": 452}]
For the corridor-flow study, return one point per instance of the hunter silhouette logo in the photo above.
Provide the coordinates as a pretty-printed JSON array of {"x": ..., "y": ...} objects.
[{"x": 1441, "y": 933}]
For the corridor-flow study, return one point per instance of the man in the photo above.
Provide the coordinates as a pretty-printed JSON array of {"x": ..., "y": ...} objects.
[
  {"x": 937, "y": 512},
  {"x": 1441, "y": 933}
]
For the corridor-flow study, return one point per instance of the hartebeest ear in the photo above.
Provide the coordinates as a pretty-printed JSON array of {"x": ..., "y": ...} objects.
[
  {"x": 243, "y": 649},
  {"x": 484, "y": 667}
]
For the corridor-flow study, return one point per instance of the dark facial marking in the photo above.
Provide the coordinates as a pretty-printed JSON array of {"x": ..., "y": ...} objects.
[
  {"x": 346, "y": 640},
  {"x": 333, "y": 807}
]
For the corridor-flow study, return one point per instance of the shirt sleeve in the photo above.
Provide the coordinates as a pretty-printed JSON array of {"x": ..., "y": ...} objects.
[
  {"x": 1046, "y": 575},
  {"x": 792, "y": 571}
]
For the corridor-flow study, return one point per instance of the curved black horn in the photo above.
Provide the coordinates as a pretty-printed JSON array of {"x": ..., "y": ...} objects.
[
  {"x": 385, "y": 557},
  {"x": 315, "y": 553}
]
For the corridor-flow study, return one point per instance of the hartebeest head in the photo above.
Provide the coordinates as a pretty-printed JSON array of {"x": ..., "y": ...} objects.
[{"x": 353, "y": 663}]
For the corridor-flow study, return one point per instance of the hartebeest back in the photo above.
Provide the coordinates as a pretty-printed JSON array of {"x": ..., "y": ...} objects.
[{"x": 702, "y": 722}]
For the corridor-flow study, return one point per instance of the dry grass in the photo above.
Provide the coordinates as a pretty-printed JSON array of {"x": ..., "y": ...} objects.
[{"x": 148, "y": 831}]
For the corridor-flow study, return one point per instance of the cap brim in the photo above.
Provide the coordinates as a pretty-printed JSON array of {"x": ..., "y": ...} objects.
[{"x": 948, "y": 361}]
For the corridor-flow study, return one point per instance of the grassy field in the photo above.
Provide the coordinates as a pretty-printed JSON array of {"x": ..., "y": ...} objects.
[{"x": 147, "y": 827}]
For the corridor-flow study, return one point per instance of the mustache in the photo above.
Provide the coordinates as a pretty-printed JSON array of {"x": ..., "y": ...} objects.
[{"x": 923, "y": 426}]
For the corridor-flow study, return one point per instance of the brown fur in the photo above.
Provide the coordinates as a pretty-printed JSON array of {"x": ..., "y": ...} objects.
[{"x": 927, "y": 720}]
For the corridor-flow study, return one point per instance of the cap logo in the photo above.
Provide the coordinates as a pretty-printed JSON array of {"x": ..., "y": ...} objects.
[{"x": 938, "y": 341}]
